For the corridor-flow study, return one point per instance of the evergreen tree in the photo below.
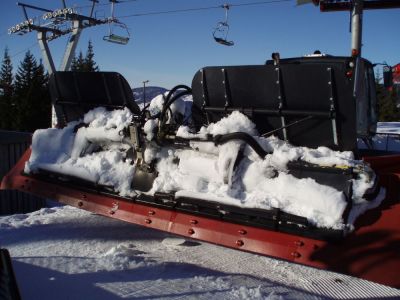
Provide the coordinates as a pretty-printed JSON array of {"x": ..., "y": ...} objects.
[
  {"x": 23, "y": 80},
  {"x": 31, "y": 98},
  {"x": 74, "y": 64},
  {"x": 6, "y": 92},
  {"x": 40, "y": 116},
  {"x": 78, "y": 63},
  {"x": 85, "y": 64},
  {"x": 388, "y": 110},
  {"x": 90, "y": 64}
]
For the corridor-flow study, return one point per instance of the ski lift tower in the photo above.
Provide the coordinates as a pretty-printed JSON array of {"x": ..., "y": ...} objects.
[
  {"x": 52, "y": 25},
  {"x": 356, "y": 8}
]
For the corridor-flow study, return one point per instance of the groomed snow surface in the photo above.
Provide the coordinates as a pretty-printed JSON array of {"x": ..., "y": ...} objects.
[
  {"x": 66, "y": 253},
  {"x": 206, "y": 174}
]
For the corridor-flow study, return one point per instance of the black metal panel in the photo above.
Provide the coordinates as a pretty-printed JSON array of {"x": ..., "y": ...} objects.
[
  {"x": 75, "y": 93},
  {"x": 295, "y": 88},
  {"x": 12, "y": 146},
  {"x": 8, "y": 284}
]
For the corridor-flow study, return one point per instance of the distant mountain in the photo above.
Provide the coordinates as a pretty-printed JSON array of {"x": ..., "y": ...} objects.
[{"x": 151, "y": 92}]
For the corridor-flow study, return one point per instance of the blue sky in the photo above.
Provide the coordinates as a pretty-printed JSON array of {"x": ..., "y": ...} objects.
[{"x": 168, "y": 49}]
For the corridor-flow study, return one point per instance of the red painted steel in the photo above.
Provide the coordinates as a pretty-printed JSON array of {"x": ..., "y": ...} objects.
[{"x": 370, "y": 252}]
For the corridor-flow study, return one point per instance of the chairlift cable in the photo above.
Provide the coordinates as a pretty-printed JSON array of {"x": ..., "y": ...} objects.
[
  {"x": 105, "y": 4},
  {"x": 25, "y": 50},
  {"x": 3, "y": 33},
  {"x": 166, "y": 12},
  {"x": 258, "y": 3},
  {"x": 169, "y": 11},
  {"x": 201, "y": 8}
]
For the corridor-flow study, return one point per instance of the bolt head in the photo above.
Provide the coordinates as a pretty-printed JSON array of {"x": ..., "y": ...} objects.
[
  {"x": 239, "y": 243},
  {"x": 242, "y": 231}
]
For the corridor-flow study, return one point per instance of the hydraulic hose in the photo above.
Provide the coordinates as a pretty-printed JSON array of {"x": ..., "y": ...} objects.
[
  {"x": 168, "y": 103},
  {"x": 174, "y": 89},
  {"x": 221, "y": 139},
  {"x": 167, "y": 100},
  {"x": 247, "y": 138}
]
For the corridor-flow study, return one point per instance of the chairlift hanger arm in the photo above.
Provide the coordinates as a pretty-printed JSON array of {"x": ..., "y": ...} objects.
[
  {"x": 226, "y": 6},
  {"x": 92, "y": 8}
]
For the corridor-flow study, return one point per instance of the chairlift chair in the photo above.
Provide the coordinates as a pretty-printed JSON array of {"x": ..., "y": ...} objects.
[
  {"x": 116, "y": 38},
  {"x": 113, "y": 22},
  {"x": 221, "y": 31}
]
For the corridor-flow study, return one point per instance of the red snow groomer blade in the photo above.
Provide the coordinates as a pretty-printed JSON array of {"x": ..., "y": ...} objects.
[{"x": 313, "y": 110}]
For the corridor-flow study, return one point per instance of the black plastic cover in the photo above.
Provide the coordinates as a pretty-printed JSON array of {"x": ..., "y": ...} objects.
[
  {"x": 75, "y": 93},
  {"x": 8, "y": 284},
  {"x": 276, "y": 95}
]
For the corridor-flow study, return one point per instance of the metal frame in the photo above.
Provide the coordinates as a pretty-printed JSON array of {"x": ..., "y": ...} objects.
[
  {"x": 79, "y": 22},
  {"x": 371, "y": 252},
  {"x": 356, "y": 26},
  {"x": 356, "y": 8}
]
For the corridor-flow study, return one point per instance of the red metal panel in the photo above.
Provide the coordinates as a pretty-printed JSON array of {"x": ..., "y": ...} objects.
[{"x": 370, "y": 252}]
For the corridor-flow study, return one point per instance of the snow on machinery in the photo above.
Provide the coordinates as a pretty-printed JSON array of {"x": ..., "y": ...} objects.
[
  {"x": 277, "y": 97},
  {"x": 317, "y": 104}
]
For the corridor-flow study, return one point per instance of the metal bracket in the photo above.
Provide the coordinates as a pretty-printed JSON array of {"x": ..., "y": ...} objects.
[
  {"x": 205, "y": 93},
  {"x": 332, "y": 108},
  {"x": 280, "y": 100},
  {"x": 227, "y": 94}
]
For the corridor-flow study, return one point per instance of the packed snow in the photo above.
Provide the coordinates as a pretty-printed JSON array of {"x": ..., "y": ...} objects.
[
  {"x": 95, "y": 149},
  {"x": 67, "y": 253}
]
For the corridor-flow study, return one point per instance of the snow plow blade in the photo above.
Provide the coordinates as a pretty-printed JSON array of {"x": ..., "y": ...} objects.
[
  {"x": 75, "y": 93},
  {"x": 370, "y": 252},
  {"x": 305, "y": 111}
]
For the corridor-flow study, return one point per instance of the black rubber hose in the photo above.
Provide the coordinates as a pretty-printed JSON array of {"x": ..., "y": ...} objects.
[
  {"x": 224, "y": 138},
  {"x": 169, "y": 95},
  {"x": 168, "y": 104},
  {"x": 174, "y": 89}
]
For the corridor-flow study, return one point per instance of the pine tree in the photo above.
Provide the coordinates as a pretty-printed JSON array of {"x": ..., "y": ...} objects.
[
  {"x": 31, "y": 98},
  {"x": 78, "y": 63},
  {"x": 23, "y": 80},
  {"x": 6, "y": 92},
  {"x": 74, "y": 64},
  {"x": 85, "y": 64},
  {"x": 40, "y": 116},
  {"x": 388, "y": 111},
  {"x": 90, "y": 64}
]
